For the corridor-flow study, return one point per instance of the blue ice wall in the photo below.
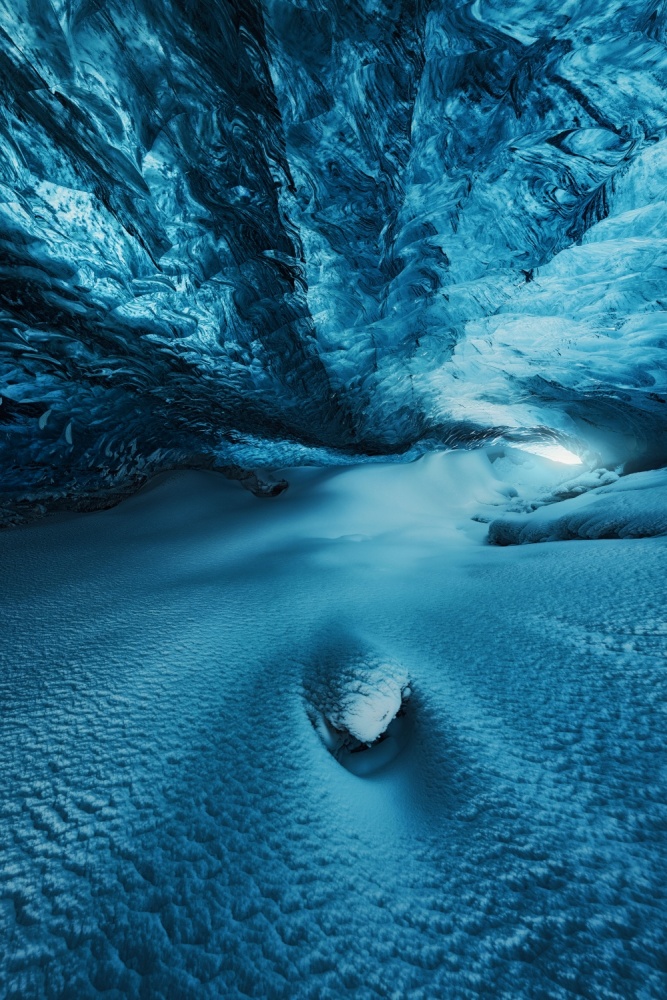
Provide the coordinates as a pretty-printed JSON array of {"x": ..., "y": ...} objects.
[{"x": 268, "y": 233}]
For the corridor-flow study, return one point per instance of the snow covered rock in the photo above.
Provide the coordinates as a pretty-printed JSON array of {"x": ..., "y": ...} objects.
[{"x": 353, "y": 703}]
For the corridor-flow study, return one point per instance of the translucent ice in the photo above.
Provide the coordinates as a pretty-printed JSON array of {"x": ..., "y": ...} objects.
[{"x": 268, "y": 233}]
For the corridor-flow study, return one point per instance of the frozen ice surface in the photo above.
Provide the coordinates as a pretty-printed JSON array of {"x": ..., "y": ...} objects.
[{"x": 172, "y": 826}]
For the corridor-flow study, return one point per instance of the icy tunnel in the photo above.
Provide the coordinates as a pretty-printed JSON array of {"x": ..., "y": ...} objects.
[{"x": 395, "y": 726}]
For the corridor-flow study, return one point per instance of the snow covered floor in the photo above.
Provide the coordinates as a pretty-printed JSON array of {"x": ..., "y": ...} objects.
[{"x": 173, "y": 826}]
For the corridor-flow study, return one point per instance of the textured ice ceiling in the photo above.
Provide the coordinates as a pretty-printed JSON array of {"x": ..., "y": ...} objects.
[{"x": 259, "y": 233}]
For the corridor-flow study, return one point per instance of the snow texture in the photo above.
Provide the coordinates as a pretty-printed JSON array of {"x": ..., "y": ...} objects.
[
  {"x": 632, "y": 507},
  {"x": 172, "y": 826},
  {"x": 358, "y": 694}
]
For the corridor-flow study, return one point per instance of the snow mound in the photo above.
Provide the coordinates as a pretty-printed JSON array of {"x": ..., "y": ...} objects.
[
  {"x": 633, "y": 507},
  {"x": 360, "y": 698}
]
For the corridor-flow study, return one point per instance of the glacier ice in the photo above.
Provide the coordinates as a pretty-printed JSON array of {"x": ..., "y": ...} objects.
[
  {"x": 258, "y": 234},
  {"x": 357, "y": 740}
]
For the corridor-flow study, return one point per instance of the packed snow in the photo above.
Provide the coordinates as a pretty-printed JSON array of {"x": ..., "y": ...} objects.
[
  {"x": 632, "y": 507},
  {"x": 173, "y": 825}
]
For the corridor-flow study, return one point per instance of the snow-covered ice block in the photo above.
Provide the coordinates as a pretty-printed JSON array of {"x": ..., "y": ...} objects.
[
  {"x": 633, "y": 507},
  {"x": 355, "y": 700},
  {"x": 362, "y": 696}
]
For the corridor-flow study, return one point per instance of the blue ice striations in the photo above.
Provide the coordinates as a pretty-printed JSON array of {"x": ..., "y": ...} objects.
[{"x": 259, "y": 234}]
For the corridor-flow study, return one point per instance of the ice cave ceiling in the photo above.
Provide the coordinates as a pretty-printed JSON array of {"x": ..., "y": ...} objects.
[{"x": 256, "y": 234}]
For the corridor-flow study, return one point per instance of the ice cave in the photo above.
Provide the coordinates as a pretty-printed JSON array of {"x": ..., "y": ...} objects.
[{"x": 333, "y": 440}]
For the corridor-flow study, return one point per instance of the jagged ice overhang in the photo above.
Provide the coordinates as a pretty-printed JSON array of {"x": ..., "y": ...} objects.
[{"x": 243, "y": 234}]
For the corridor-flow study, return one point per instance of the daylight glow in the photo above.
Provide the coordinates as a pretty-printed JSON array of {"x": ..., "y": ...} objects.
[{"x": 554, "y": 452}]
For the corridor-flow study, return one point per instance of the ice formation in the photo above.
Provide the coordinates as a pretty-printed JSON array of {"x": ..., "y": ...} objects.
[
  {"x": 357, "y": 740},
  {"x": 361, "y": 695},
  {"x": 356, "y": 701},
  {"x": 249, "y": 234},
  {"x": 632, "y": 507}
]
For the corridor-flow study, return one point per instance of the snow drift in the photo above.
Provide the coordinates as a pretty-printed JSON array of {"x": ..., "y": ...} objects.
[{"x": 172, "y": 824}]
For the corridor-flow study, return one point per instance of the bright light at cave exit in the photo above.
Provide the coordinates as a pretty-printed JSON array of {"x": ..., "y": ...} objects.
[{"x": 554, "y": 452}]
